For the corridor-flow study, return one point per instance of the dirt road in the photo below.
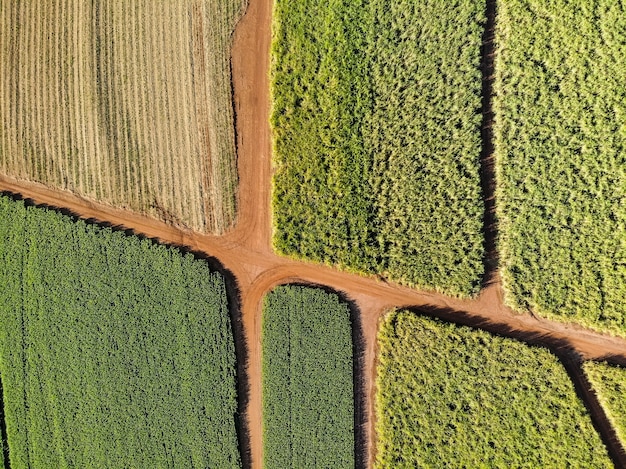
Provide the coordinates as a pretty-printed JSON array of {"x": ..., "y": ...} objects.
[
  {"x": 258, "y": 270},
  {"x": 246, "y": 250}
]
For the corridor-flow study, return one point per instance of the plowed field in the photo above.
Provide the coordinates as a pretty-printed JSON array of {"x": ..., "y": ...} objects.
[{"x": 127, "y": 103}]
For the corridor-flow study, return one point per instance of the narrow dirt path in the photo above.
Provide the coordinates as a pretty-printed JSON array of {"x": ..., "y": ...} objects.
[{"x": 246, "y": 250}]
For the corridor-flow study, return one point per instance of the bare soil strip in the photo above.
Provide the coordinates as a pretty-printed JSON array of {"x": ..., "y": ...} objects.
[{"x": 246, "y": 251}]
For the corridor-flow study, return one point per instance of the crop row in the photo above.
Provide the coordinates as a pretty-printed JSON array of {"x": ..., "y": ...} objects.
[
  {"x": 308, "y": 397},
  {"x": 128, "y": 103},
  {"x": 114, "y": 352}
]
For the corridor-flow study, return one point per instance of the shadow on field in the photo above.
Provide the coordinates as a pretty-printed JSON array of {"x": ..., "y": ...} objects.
[
  {"x": 233, "y": 294},
  {"x": 487, "y": 158},
  {"x": 568, "y": 356},
  {"x": 358, "y": 373},
  {"x": 584, "y": 389},
  {"x": 234, "y": 307},
  {"x": 3, "y": 430}
]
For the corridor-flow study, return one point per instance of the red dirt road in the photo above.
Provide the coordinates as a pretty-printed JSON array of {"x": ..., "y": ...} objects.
[
  {"x": 257, "y": 271},
  {"x": 246, "y": 250}
]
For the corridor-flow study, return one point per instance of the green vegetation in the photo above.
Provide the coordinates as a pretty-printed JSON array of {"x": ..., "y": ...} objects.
[
  {"x": 450, "y": 396},
  {"x": 308, "y": 399},
  {"x": 3, "y": 444},
  {"x": 609, "y": 383},
  {"x": 376, "y": 122},
  {"x": 114, "y": 352},
  {"x": 561, "y": 148}
]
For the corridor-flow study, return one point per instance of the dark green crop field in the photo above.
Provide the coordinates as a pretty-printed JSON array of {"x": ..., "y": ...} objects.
[
  {"x": 561, "y": 159},
  {"x": 308, "y": 397},
  {"x": 609, "y": 383},
  {"x": 451, "y": 396},
  {"x": 376, "y": 129},
  {"x": 114, "y": 352}
]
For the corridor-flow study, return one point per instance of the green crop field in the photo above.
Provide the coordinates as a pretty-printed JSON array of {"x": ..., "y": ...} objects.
[
  {"x": 560, "y": 139},
  {"x": 376, "y": 122},
  {"x": 114, "y": 352},
  {"x": 125, "y": 102},
  {"x": 308, "y": 398},
  {"x": 609, "y": 383},
  {"x": 451, "y": 396}
]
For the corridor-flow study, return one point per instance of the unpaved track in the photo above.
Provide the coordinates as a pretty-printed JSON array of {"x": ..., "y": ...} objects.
[
  {"x": 246, "y": 250},
  {"x": 257, "y": 271}
]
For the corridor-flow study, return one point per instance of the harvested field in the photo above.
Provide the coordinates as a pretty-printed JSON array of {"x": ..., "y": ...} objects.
[
  {"x": 114, "y": 351},
  {"x": 308, "y": 396},
  {"x": 460, "y": 397},
  {"x": 124, "y": 102},
  {"x": 376, "y": 128},
  {"x": 560, "y": 142}
]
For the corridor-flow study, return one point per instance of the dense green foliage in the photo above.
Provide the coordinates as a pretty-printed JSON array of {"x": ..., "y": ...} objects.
[
  {"x": 609, "y": 383},
  {"x": 308, "y": 398},
  {"x": 376, "y": 128},
  {"x": 450, "y": 396},
  {"x": 3, "y": 443},
  {"x": 114, "y": 352},
  {"x": 561, "y": 158}
]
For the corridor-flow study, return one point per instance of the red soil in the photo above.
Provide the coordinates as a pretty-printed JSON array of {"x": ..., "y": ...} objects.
[{"x": 246, "y": 250}]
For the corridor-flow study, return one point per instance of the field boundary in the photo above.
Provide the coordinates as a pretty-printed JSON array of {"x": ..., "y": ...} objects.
[
  {"x": 487, "y": 156},
  {"x": 372, "y": 297},
  {"x": 245, "y": 250},
  {"x": 600, "y": 420}
]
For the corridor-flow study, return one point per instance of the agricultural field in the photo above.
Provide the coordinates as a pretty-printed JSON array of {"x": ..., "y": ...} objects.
[
  {"x": 560, "y": 140},
  {"x": 609, "y": 383},
  {"x": 114, "y": 351},
  {"x": 376, "y": 122},
  {"x": 451, "y": 396},
  {"x": 128, "y": 103},
  {"x": 308, "y": 397}
]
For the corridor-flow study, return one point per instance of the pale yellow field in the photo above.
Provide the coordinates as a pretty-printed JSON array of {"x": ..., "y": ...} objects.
[{"x": 125, "y": 101}]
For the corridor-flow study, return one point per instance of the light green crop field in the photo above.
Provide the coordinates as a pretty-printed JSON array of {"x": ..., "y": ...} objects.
[
  {"x": 308, "y": 397},
  {"x": 451, "y": 396},
  {"x": 376, "y": 133},
  {"x": 114, "y": 352},
  {"x": 560, "y": 140},
  {"x": 609, "y": 383}
]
